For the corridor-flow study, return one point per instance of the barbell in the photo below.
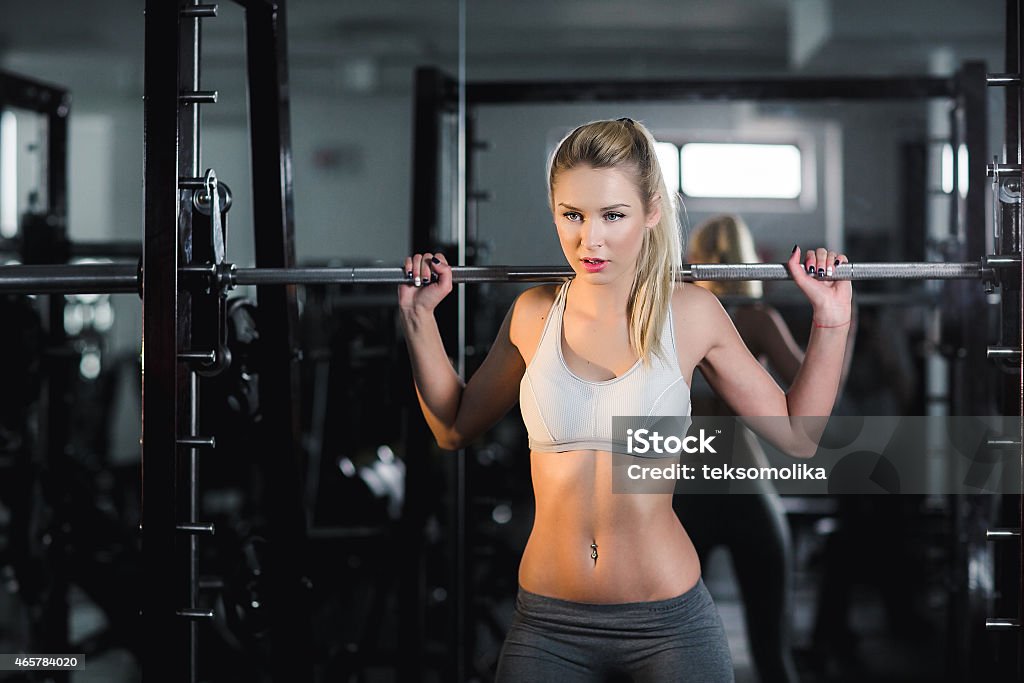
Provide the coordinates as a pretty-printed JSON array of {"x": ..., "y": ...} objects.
[{"x": 121, "y": 278}]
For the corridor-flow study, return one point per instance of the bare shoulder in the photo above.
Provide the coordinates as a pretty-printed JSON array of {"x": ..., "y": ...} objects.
[
  {"x": 698, "y": 319},
  {"x": 529, "y": 313},
  {"x": 692, "y": 302}
]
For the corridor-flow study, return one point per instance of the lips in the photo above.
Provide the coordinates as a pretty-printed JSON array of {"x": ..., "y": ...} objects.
[{"x": 593, "y": 265}]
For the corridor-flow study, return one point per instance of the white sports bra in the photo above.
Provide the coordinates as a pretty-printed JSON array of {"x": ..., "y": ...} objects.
[{"x": 563, "y": 412}]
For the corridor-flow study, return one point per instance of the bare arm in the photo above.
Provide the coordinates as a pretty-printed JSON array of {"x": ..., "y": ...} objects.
[
  {"x": 766, "y": 334},
  {"x": 747, "y": 387},
  {"x": 456, "y": 412}
]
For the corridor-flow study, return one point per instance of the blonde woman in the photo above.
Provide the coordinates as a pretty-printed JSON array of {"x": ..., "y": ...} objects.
[
  {"x": 752, "y": 525},
  {"x": 609, "y": 584}
]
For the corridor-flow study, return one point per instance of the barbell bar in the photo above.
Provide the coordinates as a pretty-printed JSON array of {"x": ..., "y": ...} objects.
[
  {"x": 690, "y": 273},
  {"x": 121, "y": 278},
  {"x": 85, "y": 278}
]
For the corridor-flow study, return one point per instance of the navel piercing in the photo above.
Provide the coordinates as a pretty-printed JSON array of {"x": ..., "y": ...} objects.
[{"x": 593, "y": 554}]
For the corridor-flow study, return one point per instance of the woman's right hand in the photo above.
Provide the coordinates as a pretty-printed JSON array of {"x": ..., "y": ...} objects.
[{"x": 430, "y": 282}]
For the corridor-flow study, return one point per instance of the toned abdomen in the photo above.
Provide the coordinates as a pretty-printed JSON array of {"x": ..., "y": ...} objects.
[{"x": 643, "y": 552}]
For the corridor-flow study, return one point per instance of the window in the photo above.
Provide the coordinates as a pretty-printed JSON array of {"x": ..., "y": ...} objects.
[
  {"x": 668, "y": 157},
  {"x": 8, "y": 174},
  {"x": 756, "y": 171}
]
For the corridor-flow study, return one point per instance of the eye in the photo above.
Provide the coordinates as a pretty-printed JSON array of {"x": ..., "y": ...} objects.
[
  {"x": 569, "y": 214},
  {"x": 617, "y": 216}
]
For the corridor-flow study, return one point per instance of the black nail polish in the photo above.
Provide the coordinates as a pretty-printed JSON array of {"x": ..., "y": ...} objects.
[
  {"x": 821, "y": 272},
  {"x": 836, "y": 263},
  {"x": 408, "y": 273},
  {"x": 810, "y": 270},
  {"x": 433, "y": 277},
  {"x": 794, "y": 249},
  {"x": 435, "y": 259}
]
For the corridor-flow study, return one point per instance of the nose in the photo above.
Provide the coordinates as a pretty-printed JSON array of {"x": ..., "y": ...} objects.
[{"x": 591, "y": 234}]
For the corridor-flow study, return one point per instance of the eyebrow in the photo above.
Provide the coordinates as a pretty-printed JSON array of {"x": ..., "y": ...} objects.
[{"x": 613, "y": 206}]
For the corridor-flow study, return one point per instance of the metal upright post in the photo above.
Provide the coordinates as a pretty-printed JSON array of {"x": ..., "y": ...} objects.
[
  {"x": 975, "y": 383},
  {"x": 270, "y": 127},
  {"x": 165, "y": 636},
  {"x": 970, "y": 383},
  {"x": 1014, "y": 133},
  {"x": 60, "y": 371},
  {"x": 189, "y": 158},
  {"x": 1008, "y": 219},
  {"x": 59, "y": 374},
  {"x": 428, "y": 103}
]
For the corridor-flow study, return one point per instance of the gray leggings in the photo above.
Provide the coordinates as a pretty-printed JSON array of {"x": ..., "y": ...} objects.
[{"x": 676, "y": 639}]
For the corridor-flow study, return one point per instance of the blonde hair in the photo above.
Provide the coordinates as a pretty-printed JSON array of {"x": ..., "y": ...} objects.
[
  {"x": 627, "y": 144},
  {"x": 725, "y": 239}
]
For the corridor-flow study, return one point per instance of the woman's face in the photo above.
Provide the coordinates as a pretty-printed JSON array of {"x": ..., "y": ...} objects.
[{"x": 599, "y": 215}]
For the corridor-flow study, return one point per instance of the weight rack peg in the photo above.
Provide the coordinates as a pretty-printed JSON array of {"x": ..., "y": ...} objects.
[
  {"x": 1001, "y": 170},
  {"x": 192, "y": 613},
  {"x": 217, "y": 276},
  {"x": 208, "y": 12},
  {"x": 197, "y": 356},
  {"x": 996, "y": 624},
  {"x": 1001, "y": 534},
  {"x": 1003, "y": 79},
  {"x": 198, "y": 441},
  {"x": 196, "y": 528},
  {"x": 198, "y": 97},
  {"x": 1003, "y": 352},
  {"x": 186, "y": 183},
  {"x": 1002, "y": 443},
  {"x": 1001, "y": 261}
]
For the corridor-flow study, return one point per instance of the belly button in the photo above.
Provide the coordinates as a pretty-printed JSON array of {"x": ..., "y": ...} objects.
[{"x": 593, "y": 551}]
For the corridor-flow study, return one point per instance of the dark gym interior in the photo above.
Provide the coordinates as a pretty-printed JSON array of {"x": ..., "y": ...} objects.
[{"x": 213, "y": 463}]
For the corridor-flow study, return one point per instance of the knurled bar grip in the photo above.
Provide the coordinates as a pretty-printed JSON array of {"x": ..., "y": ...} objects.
[{"x": 844, "y": 271}]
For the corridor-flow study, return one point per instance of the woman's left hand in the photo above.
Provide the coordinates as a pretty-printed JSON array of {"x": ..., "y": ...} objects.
[{"x": 831, "y": 299}]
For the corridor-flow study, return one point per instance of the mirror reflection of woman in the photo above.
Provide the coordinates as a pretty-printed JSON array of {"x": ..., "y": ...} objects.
[
  {"x": 751, "y": 525},
  {"x": 610, "y": 584}
]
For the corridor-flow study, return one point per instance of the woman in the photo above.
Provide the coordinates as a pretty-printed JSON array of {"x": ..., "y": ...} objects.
[{"x": 610, "y": 584}]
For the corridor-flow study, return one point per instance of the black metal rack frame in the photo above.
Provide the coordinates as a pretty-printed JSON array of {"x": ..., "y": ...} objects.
[{"x": 171, "y": 611}]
